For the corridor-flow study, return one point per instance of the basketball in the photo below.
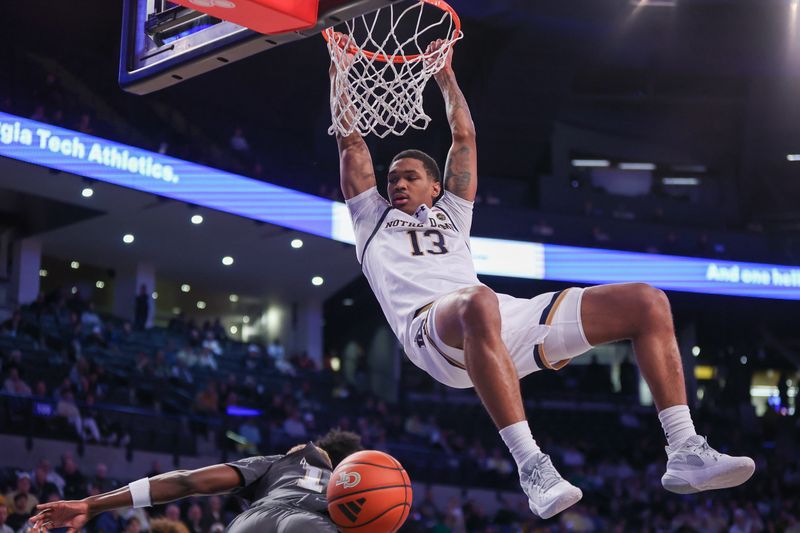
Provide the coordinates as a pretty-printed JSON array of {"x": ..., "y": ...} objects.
[{"x": 369, "y": 492}]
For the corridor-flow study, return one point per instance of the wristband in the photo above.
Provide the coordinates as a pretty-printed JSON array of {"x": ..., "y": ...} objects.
[{"x": 140, "y": 492}]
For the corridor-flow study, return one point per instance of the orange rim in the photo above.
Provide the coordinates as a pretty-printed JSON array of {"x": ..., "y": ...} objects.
[{"x": 441, "y": 4}]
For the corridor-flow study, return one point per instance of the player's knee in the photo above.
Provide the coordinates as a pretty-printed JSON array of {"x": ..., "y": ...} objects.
[
  {"x": 653, "y": 309},
  {"x": 478, "y": 306}
]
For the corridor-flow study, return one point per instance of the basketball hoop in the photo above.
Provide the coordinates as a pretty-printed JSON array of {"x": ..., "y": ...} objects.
[{"x": 382, "y": 66}]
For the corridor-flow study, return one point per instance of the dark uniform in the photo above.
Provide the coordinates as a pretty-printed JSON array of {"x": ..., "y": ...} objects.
[{"x": 286, "y": 493}]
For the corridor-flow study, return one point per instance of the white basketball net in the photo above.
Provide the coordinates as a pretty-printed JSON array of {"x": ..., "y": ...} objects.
[{"x": 380, "y": 79}]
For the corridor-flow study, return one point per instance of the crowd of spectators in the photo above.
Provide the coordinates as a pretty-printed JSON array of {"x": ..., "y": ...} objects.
[
  {"x": 93, "y": 363},
  {"x": 95, "y": 357}
]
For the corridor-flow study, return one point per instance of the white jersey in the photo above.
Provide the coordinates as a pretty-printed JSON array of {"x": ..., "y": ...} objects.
[{"x": 409, "y": 263}]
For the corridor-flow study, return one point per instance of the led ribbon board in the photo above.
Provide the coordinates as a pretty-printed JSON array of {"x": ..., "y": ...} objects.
[
  {"x": 99, "y": 159},
  {"x": 112, "y": 162}
]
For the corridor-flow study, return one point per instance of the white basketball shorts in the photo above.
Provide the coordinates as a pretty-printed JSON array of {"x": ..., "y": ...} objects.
[{"x": 543, "y": 332}]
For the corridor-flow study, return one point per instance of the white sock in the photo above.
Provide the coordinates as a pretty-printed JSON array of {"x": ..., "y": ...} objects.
[
  {"x": 677, "y": 424},
  {"x": 520, "y": 441}
]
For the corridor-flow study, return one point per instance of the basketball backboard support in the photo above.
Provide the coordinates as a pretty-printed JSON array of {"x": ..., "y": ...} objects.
[{"x": 164, "y": 43}]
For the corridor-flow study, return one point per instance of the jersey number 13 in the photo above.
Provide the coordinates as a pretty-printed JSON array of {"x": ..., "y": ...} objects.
[{"x": 433, "y": 238}]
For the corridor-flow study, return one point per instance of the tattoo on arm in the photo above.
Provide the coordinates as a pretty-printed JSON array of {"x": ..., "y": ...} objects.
[
  {"x": 457, "y": 174},
  {"x": 461, "y": 168}
]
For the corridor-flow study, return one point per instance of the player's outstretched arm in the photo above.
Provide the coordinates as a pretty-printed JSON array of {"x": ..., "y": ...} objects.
[
  {"x": 461, "y": 169},
  {"x": 163, "y": 488},
  {"x": 355, "y": 162}
]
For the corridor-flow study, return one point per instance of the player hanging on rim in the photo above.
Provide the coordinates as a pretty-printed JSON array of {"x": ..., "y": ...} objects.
[
  {"x": 414, "y": 251},
  {"x": 286, "y": 493}
]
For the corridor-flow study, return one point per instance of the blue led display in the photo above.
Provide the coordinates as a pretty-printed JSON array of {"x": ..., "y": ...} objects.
[{"x": 92, "y": 157}]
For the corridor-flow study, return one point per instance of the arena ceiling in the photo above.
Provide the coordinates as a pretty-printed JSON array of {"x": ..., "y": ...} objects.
[
  {"x": 90, "y": 230},
  {"x": 714, "y": 78}
]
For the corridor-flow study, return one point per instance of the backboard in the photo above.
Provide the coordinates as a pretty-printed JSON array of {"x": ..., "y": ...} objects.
[{"x": 164, "y": 43}]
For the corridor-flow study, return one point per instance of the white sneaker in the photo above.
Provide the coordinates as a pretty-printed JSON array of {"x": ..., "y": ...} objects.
[
  {"x": 548, "y": 493},
  {"x": 694, "y": 466}
]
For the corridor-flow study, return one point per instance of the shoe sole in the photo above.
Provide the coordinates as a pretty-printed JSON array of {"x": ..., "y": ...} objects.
[
  {"x": 567, "y": 500},
  {"x": 681, "y": 482}
]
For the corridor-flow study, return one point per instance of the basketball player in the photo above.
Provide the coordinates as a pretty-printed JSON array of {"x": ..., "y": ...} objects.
[
  {"x": 286, "y": 493},
  {"x": 414, "y": 251}
]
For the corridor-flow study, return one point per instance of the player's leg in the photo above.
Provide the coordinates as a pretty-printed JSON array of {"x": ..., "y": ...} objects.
[
  {"x": 469, "y": 319},
  {"x": 642, "y": 314},
  {"x": 304, "y": 522}
]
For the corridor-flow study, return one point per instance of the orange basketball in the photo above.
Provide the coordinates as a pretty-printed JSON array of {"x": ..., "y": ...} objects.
[{"x": 369, "y": 492}]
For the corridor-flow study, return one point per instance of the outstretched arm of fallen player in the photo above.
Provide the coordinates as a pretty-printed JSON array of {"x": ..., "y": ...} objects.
[{"x": 163, "y": 488}]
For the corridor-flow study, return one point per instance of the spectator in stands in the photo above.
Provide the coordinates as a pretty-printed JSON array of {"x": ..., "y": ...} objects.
[
  {"x": 249, "y": 430},
  {"x": 304, "y": 363},
  {"x": 742, "y": 523},
  {"x": 188, "y": 356},
  {"x": 211, "y": 343},
  {"x": 207, "y": 400},
  {"x": 42, "y": 487},
  {"x": 24, "y": 488},
  {"x": 194, "y": 518},
  {"x": 52, "y": 475},
  {"x": 277, "y": 355},
  {"x": 455, "y": 517},
  {"x": 214, "y": 517},
  {"x": 181, "y": 373},
  {"x": 142, "y": 367},
  {"x": 85, "y": 124},
  {"x": 177, "y": 323},
  {"x": 3, "y": 517},
  {"x": 172, "y": 512},
  {"x": 40, "y": 389},
  {"x": 67, "y": 408},
  {"x": 19, "y": 512},
  {"x": 353, "y": 355},
  {"x": 238, "y": 141},
  {"x": 100, "y": 481},
  {"x": 161, "y": 368},
  {"x": 15, "y": 358},
  {"x": 15, "y": 326},
  {"x": 218, "y": 330},
  {"x": 252, "y": 359},
  {"x": 294, "y": 426},
  {"x": 133, "y": 525},
  {"x": 142, "y": 308},
  {"x": 14, "y": 384},
  {"x": 89, "y": 317},
  {"x": 155, "y": 469},
  {"x": 108, "y": 522},
  {"x": 165, "y": 525},
  {"x": 96, "y": 338},
  {"x": 474, "y": 516},
  {"x": 78, "y": 373},
  {"x": 498, "y": 463},
  {"x": 74, "y": 480}
]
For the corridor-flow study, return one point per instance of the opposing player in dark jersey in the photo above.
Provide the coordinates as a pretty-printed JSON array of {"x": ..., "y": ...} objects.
[{"x": 286, "y": 493}]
